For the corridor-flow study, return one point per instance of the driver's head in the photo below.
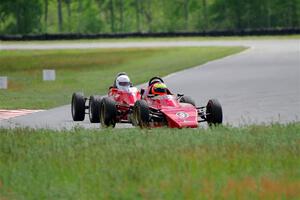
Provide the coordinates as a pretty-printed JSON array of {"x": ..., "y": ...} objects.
[
  {"x": 159, "y": 89},
  {"x": 123, "y": 82}
]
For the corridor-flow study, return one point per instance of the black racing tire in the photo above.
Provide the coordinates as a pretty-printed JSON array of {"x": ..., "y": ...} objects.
[
  {"x": 78, "y": 106},
  {"x": 214, "y": 112},
  {"x": 94, "y": 109},
  {"x": 187, "y": 99},
  {"x": 108, "y": 112},
  {"x": 141, "y": 114}
]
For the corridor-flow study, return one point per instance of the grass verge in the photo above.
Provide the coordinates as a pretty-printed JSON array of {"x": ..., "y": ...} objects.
[
  {"x": 256, "y": 162},
  {"x": 91, "y": 71}
]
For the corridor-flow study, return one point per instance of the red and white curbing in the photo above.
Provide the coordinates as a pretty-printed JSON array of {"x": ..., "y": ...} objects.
[{"x": 7, "y": 114}]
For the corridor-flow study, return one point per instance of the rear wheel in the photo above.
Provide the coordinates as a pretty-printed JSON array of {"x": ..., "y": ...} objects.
[
  {"x": 214, "y": 112},
  {"x": 94, "y": 109},
  {"x": 108, "y": 112},
  {"x": 187, "y": 99},
  {"x": 141, "y": 113},
  {"x": 78, "y": 107}
]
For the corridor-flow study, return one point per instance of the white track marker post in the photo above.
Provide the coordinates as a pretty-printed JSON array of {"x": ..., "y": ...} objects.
[
  {"x": 49, "y": 75},
  {"x": 3, "y": 82}
]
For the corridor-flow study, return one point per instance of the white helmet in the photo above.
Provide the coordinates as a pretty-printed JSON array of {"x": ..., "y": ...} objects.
[{"x": 123, "y": 82}]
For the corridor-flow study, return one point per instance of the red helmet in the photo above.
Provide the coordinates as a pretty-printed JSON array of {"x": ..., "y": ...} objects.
[{"x": 159, "y": 89}]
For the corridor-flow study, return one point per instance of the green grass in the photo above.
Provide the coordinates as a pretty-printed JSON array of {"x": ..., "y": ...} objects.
[
  {"x": 284, "y": 37},
  {"x": 90, "y": 71},
  {"x": 256, "y": 162}
]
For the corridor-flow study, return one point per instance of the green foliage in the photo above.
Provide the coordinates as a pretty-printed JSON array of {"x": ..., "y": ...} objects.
[
  {"x": 256, "y": 162},
  {"x": 23, "y": 16},
  {"x": 90, "y": 22},
  {"x": 110, "y": 16}
]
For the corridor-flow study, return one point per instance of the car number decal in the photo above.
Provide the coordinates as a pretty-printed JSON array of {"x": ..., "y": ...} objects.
[{"x": 182, "y": 115}]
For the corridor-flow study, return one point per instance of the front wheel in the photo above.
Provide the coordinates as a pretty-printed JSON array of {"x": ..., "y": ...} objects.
[
  {"x": 214, "y": 114},
  {"x": 141, "y": 114},
  {"x": 108, "y": 112},
  {"x": 94, "y": 109},
  {"x": 78, "y": 106}
]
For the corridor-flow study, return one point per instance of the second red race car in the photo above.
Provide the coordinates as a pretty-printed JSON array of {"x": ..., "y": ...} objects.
[
  {"x": 159, "y": 107},
  {"x": 116, "y": 107}
]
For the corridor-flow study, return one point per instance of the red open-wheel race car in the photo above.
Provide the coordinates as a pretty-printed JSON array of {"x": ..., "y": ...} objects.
[
  {"x": 114, "y": 108},
  {"x": 154, "y": 106},
  {"x": 159, "y": 107}
]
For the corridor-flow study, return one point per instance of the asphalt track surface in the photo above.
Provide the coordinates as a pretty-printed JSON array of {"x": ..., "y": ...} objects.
[{"x": 258, "y": 86}]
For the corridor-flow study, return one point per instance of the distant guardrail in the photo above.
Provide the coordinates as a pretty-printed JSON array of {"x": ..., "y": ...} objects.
[{"x": 74, "y": 36}]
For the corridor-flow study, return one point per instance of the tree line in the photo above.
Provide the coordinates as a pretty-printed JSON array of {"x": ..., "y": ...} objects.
[{"x": 123, "y": 16}]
